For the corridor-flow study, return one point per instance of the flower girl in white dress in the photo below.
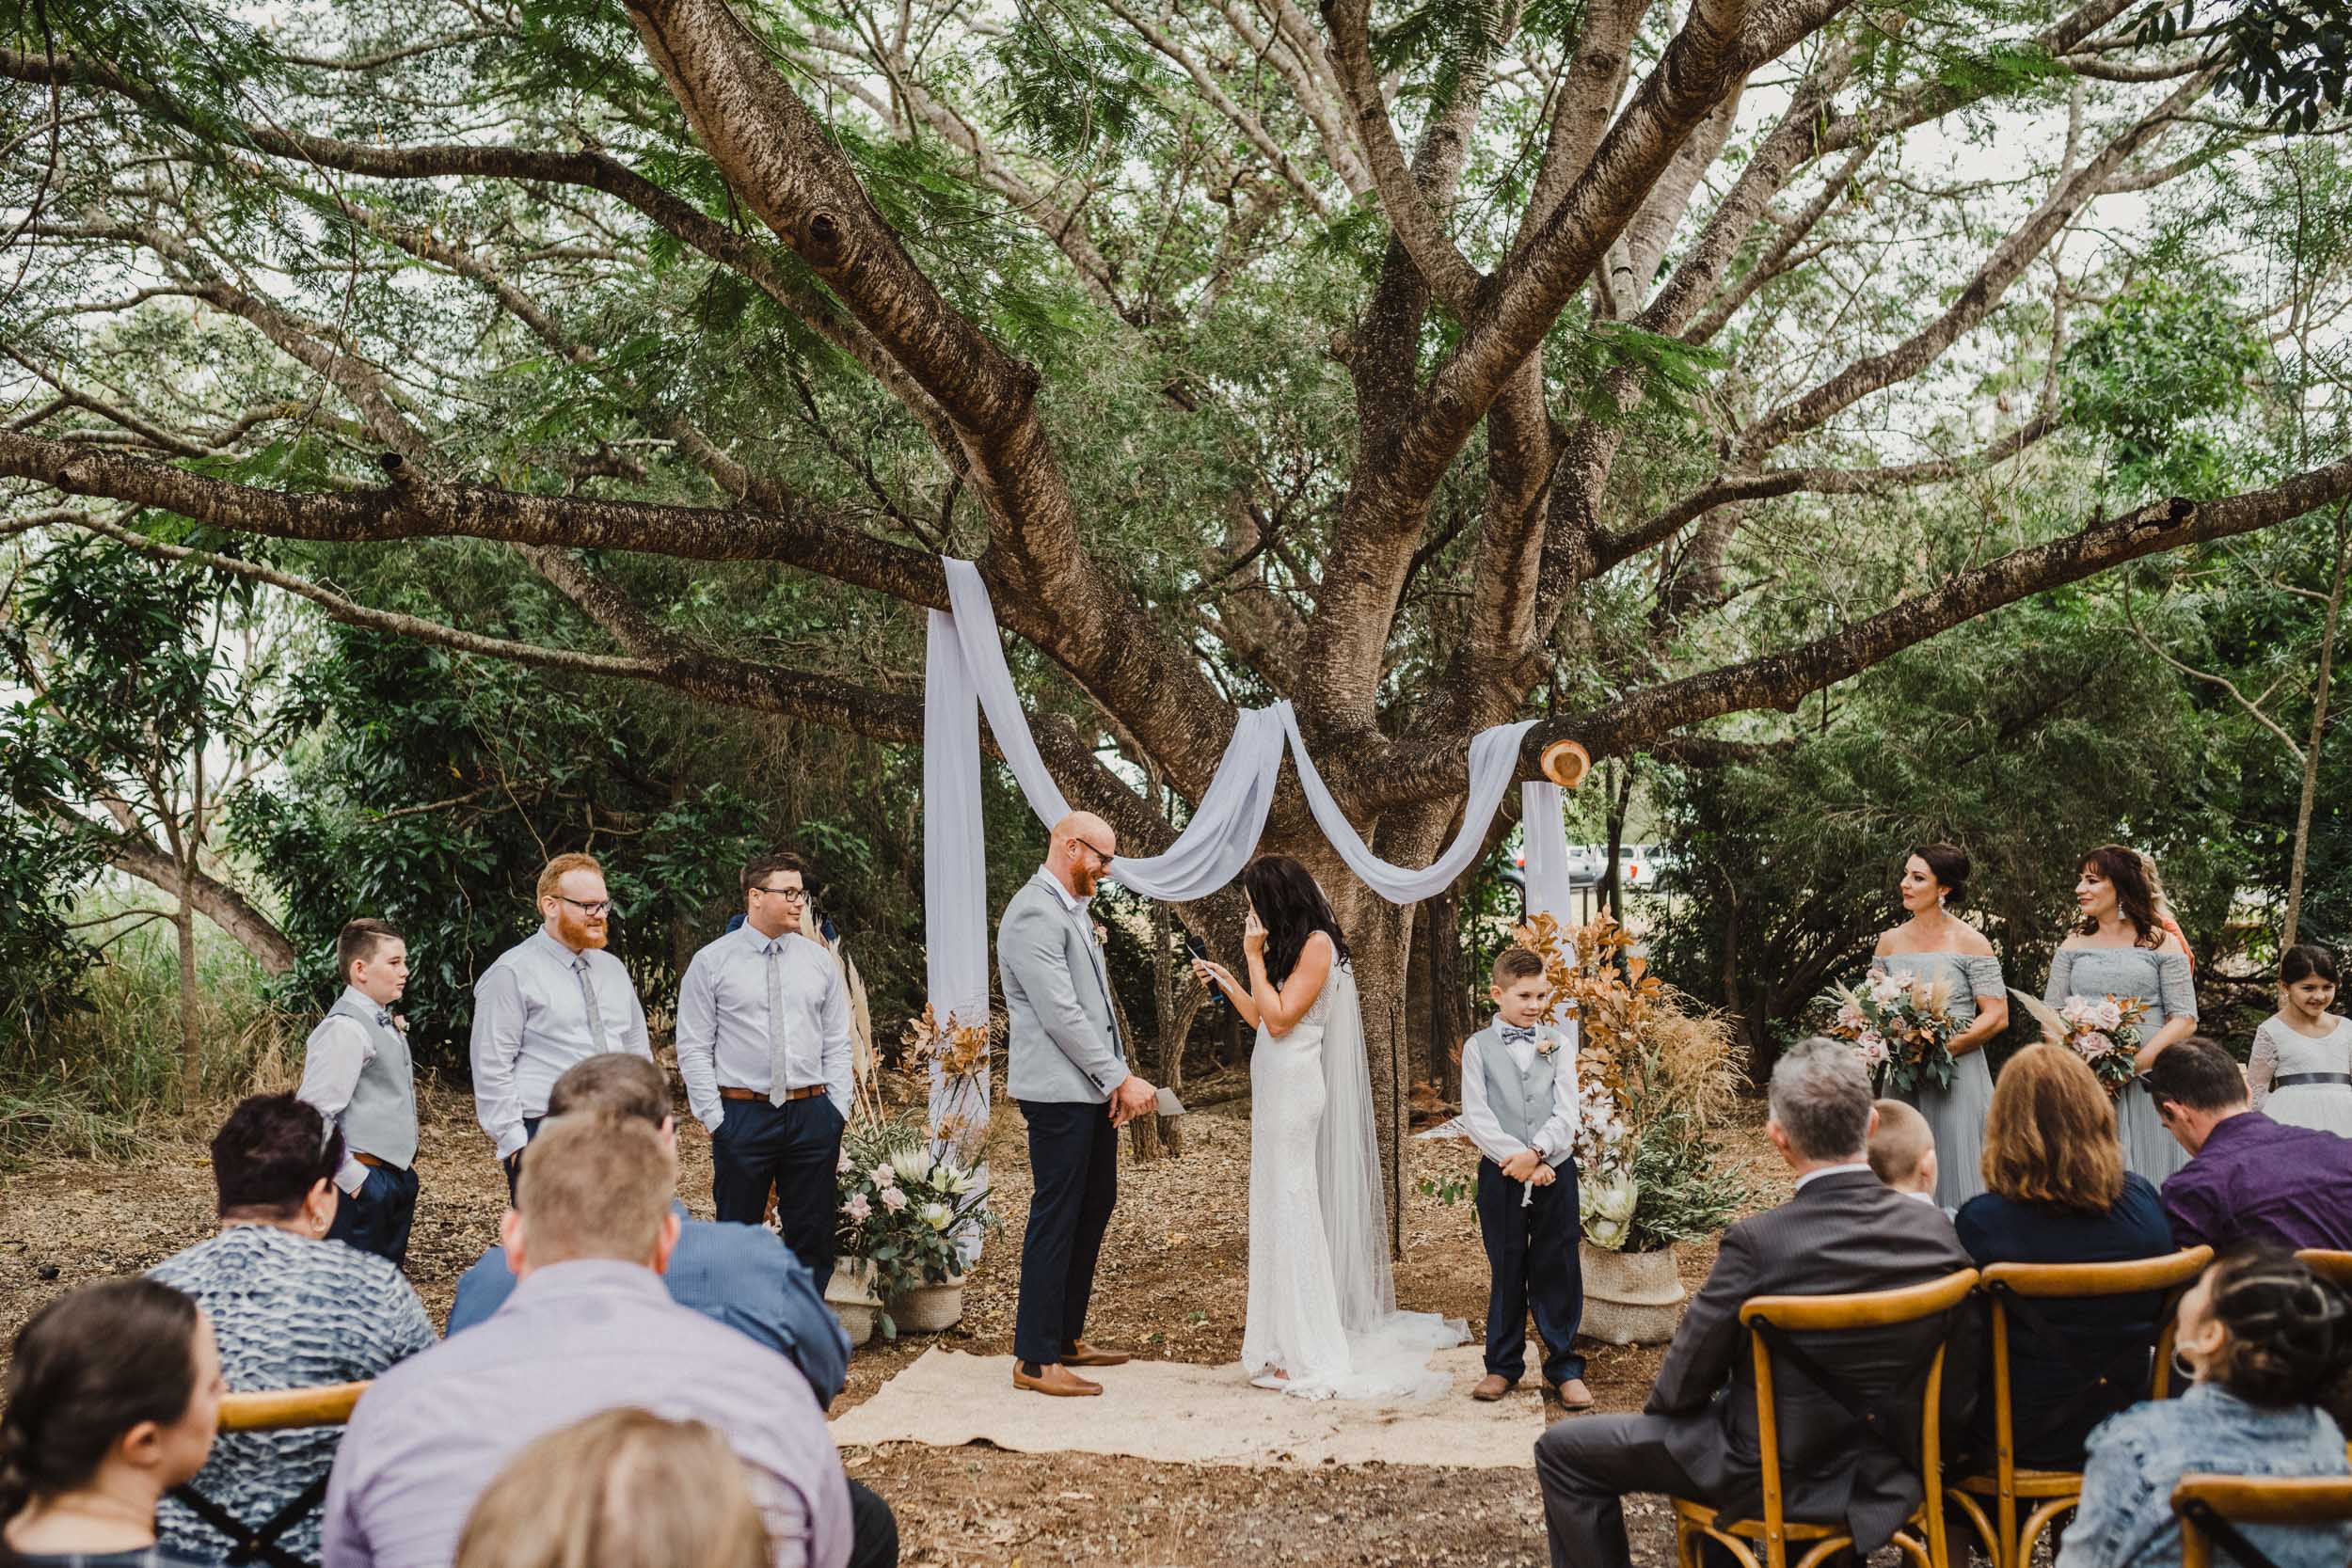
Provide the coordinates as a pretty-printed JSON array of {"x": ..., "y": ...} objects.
[{"x": 2301, "y": 1071}]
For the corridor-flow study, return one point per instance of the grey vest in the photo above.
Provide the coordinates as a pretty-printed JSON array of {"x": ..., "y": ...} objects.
[
  {"x": 381, "y": 1118},
  {"x": 1521, "y": 1103}
]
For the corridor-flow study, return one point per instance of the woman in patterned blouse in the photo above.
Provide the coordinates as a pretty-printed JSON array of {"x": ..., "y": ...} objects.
[
  {"x": 292, "y": 1310},
  {"x": 114, "y": 1392}
]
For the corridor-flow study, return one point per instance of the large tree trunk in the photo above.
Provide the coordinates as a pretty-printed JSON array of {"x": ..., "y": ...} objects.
[
  {"x": 2318, "y": 736},
  {"x": 1449, "y": 1022}
]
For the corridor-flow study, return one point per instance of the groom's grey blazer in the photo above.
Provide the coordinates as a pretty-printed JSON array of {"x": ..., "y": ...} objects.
[{"x": 1063, "y": 1043}]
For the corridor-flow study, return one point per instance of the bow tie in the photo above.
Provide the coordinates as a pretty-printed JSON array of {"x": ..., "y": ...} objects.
[
  {"x": 383, "y": 1017},
  {"x": 1513, "y": 1034}
]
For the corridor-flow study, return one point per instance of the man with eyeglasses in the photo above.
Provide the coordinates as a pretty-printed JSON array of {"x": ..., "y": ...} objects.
[
  {"x": 1063, "y": 1063},
  {"x": 554, "y": 999},
  {"x": 763, "y": 1043}
]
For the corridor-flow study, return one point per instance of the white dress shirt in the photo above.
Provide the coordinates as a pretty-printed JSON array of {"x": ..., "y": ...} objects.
[
  {"x": 339, "y": 1052},
  {"x": 1556, "y": 1139},
  {"x": 723, "y": 1023},
  {"x": 1863, "y": 1166},
  {"x": 531, "y": 1025}
]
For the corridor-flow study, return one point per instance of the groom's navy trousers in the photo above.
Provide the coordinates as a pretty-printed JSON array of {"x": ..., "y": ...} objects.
[
  {"x": 1530, "y": 1262},
  {"x": 1074, "y": 1158}
]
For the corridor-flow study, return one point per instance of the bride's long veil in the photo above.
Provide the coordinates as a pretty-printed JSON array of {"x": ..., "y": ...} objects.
[{"x": 1347, "y": 1169}]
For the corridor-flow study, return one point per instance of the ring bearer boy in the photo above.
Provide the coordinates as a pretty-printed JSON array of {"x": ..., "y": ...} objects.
[
  {"x": 356, "y": 1071},
  {"x": 1519, "y": 1107}
]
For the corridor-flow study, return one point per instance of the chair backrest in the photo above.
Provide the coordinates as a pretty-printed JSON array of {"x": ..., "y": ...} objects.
[
  {"x": 1864, "y": 1309},
  {"x": 2174, "y": 1271},
  {"x": 2333, "y": 1267},
  {"x": 2201, "y": 1500},
  {"x": 280, "y": 1409}
]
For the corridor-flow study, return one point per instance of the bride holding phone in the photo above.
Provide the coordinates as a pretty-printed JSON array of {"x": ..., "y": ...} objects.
[{"x": 1323, "y": 1320}]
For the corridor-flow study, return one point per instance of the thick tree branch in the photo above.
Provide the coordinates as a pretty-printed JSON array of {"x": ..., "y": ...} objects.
[
  {"x": 1418, "y": 224},
  {"x": 1729, "y": 490},
  {"x": 424, "y": 509},
  {"x": 1779, "y": 680}
]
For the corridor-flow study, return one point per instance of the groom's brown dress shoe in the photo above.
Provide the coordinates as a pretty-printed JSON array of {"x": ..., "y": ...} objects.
[
  {"x": 1080, "y": 1353},
  {"x": 1057, "y": 1380},
  {"x": 1491, "y": 1387}
]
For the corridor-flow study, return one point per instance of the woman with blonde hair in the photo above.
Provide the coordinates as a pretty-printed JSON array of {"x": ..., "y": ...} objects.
[
  {"x": 2056, "y": 1192},
  {"x": 623, "y": 1489}
]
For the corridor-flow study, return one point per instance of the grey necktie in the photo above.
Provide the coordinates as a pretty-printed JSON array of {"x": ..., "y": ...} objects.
[
  {"x": 779, "y": 1082},
  {"x": 588, "y": 1000}
]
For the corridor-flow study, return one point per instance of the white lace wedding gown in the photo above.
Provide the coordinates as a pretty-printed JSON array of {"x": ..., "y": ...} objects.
[{"x": 1322, "y": 1299}]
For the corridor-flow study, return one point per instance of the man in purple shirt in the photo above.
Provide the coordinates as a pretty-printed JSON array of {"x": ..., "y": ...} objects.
[
  {"x": 2249, "y": 1178},
  {"x": 589, "y": 1327}
]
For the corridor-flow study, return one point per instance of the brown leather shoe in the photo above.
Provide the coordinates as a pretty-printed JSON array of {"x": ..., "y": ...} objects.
[
  {"x": 1080, "y": 1353},
  {"x": 1571, "y": 1396},
  {"x": 1491, "y": 1387},
  {"x": 1055, "y": 1379}
]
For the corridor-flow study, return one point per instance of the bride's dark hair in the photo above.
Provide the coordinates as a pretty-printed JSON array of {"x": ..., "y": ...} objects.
[{"x": 1292, "y": 907}]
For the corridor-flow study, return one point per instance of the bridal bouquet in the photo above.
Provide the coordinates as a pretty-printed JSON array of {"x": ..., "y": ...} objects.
[
  {"x": 2105, "y": 1033},
  {"x": 1902, "y": 1027}
]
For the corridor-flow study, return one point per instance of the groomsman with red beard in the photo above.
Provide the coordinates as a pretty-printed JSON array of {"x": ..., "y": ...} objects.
[{"x": 552, "y": 999}]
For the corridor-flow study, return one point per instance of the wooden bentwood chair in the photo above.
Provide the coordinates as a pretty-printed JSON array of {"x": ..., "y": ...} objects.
[
  {"x": 2212, "y": 1506},
  {"x": 274, "y": 1410},
  {"x": 1922, "y": 1537},
  {"x": 283, "y": 1409},
  {"x": 2132, "y": 1372},
  {"x": 2333, "y": 1267}
]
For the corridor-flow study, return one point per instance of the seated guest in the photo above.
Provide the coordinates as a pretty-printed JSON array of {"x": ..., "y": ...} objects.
[
  {"x": 1902, "y": 1151},
  {"x": 2249, "y": 1178},
  {"x": 1843, "y": 1231},
  {"x": 589, "y": 1329},
  {"x": 739, "y": 1274},
  {"x": 292, "y": 1310},
  {"x": 2269, "y": 1348},
  {"x": 625, "y": 1489},
  {"x": 2056, "y": 1192},
  {"x": 113, "y": 1394}
]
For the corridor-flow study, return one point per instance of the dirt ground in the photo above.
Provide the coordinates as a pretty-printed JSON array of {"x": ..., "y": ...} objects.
[{"x": 1172, "y": 1285}]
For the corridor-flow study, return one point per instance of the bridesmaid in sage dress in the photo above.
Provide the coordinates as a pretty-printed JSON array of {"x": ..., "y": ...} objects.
[
  {"x": 2120, "y": 950},
  {"x": 1933, "y": 942}
]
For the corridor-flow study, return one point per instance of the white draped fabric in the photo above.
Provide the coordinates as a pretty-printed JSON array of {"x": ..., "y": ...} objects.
[{"x": 966, "y": 677}]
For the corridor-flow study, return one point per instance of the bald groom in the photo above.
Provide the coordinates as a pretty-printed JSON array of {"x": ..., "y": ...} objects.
[{"x": 1065, "y": 1065}]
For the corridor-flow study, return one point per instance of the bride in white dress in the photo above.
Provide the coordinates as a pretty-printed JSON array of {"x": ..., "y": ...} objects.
[{"x": 1322, "y": 1320}]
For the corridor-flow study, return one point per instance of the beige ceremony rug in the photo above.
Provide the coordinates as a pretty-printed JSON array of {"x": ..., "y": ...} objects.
[{"x": 1178, "y": 1412}]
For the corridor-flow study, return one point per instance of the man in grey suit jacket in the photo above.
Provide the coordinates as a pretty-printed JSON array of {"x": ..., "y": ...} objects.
[
  {"x": 1843, "y": 1231},
  {"x": 1065, "y": 1066}
]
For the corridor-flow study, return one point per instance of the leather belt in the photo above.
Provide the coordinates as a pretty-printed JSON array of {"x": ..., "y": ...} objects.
[
  {"x": 728, "y": 1091},
  {"x": 2293, "y": 1077},
  {"x": 386, "y": 1164}
]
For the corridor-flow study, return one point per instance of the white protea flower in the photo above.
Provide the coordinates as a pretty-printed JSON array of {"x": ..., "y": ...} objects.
[
  {"x": 912, "y": 1165},
  {"x": 935, "y": 1215}
]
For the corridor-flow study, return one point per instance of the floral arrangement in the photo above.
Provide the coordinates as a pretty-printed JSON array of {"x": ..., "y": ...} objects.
[
  {"x": 1653, "y": 1074},
  {"x": 1902, "y": 1027},
  {"x": 2106, "y": 1035},
  {"x": 903, "y": 1210},
  {"x": 958, "y": 1052}
]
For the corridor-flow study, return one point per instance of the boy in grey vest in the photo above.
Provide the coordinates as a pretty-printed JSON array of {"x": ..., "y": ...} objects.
[
  {"x": 1519, "y": 1105},
  {"x": 356, "y": 1070}
]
